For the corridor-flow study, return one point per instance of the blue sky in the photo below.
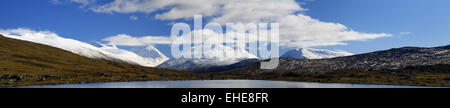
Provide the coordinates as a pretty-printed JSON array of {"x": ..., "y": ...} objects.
[{"x": 425, "y": 22}]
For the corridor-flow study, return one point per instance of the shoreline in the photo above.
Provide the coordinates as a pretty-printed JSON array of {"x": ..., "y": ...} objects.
[
  {"x": 292, "y": 80},
  {"x": 394, "y": 86}
]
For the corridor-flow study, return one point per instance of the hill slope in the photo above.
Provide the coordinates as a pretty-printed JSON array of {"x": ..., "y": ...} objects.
[
  {"x": 27, "y": 63},
  {"x": 392, "y": 59},
  {"x": 398, "y": 66},
  {"x": 309, "y": 53},
  {"x": 94, "y": 50}
]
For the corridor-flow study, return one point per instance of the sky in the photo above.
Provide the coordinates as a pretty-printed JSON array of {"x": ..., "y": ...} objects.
[{"x": 356, "y": 26}]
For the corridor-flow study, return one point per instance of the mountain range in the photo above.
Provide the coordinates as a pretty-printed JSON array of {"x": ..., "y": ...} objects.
[
  {"x": 380, "y": 61},
  {"x": 246, "y": 59},
  {"x": 27, "y": 63},
  {"x": 297, "y": 60},
  {"x": 30, "y": 63},
  {"x": 210, "y": 60},
  {"x": 149, "y": 56}
]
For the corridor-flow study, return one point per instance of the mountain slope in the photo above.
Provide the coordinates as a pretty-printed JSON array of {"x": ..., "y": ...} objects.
[
  {"x": 217, "y": 62},
  {"x": 412, "y": 66},
  {"x": 93, "y": 50},
  {"x": 309, "y": 53},
  {"x": 393, "y": 59},
  {"x": 27, "y": 63},
  {"x": 139, "y": 58},
  {"x": 150, "y": 53}
]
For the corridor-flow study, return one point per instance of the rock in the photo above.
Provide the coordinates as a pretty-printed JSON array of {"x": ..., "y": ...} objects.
[
  {"x": 4, "y": 77},
  {"x": 103, "y": 74},
  {"x": 10, "y": 82},
  {"x": 49, "y": 76},
  {"x": 42, "y": 79},
  {"x": 18, "y": 77}
]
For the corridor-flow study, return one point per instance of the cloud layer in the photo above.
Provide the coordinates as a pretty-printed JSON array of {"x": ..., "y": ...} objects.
[
  {"x": 296, "y": 29},
  {"x": 127, "y": 40},
  {"x": 223, "y": 10},
  {"x": 303, "y": 31}
]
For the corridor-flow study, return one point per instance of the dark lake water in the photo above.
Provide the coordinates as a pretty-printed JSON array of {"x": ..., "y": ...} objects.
[{"x": 217, "y": 84}]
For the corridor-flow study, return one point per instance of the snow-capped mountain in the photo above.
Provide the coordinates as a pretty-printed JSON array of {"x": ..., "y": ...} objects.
[
  {"x": 92, "y": 50},
  {"x": 208, "y": 64},
  {"x": 147, "y": 56},
  {"x": 150, "y": 53},
  {"x": 309, "y": 53}
]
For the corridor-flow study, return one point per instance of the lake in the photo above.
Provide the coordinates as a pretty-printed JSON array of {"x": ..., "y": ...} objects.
[{"x": 217, "y": 84}]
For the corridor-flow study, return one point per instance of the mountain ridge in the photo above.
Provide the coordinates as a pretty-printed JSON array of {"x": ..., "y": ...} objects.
[
  {"x": 95, "y": 50},
  {"x": 411, "y": 66},
  {"x": 310, "y": 53},
  {"x": 28, "y": 63},
  {"x": 392, "y": 59},
  {"x": 203, "y": 64}
]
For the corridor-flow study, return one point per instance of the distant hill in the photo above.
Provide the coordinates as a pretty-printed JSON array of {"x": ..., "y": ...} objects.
[
  {"x": 28, "y": 63},
  {"x": 397, "y": 58},
  {"x": 217, "y": 62},
  {"x": 414, "y": 66},
  {"x": 309, "y": 53}
]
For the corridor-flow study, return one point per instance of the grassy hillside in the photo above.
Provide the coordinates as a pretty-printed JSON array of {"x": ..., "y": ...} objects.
[{"x": 27, "y": 63}]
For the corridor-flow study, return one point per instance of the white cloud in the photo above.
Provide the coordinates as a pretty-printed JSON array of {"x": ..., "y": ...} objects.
[
  {"x": 127, "y": 40},
  {"x": 208, "y": 36},
  {"x": 254, "y": 11},
  {"x": 223, "y": 10},
  {"x": 83, "y": 2},
  {"x": 296, "y": 29},
  {"x": 405, "y": 33},
  {"x": 303, "y": 31},
  {"x": 55, "y": 2},
  {"x": 134, "y": 18}
]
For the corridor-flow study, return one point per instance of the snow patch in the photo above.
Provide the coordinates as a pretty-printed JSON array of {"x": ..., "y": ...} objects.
[{"x": 309, "y": 53}]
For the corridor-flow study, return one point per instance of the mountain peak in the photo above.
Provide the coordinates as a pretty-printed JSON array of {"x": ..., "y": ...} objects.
[
  {"x": 97, "y": 44},
  {"x": 95, "y": 50},
  {"x": 310, "y": 53},
  {"x": 148, "y": 51},
  {"x": 219, "y": 52},
  {"x": 213, "y": 60}
]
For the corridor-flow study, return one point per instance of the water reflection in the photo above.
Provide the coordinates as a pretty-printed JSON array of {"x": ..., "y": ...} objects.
[{"x": 217, "y": 84}]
